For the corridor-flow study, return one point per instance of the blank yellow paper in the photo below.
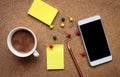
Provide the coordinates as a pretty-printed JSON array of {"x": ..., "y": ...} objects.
[
  {"x": 43, "y": 12},
  {"x": 55, "y": 57}
]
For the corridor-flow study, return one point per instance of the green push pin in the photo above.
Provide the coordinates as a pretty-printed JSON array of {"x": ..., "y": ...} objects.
[
  {"x": 54, "y": 37},
  {"x": 62, "y": 19}
]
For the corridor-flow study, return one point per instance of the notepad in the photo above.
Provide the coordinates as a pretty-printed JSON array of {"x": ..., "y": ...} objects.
[
  {"x": 43, "y": 11},
  {"x": 55, "y": 57}
]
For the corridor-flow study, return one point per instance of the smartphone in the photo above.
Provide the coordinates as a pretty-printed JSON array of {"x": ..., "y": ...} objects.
[{"x": 95, "y": 40}]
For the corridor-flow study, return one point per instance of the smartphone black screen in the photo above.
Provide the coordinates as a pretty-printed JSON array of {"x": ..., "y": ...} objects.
[{"x": 95, "y": 40}]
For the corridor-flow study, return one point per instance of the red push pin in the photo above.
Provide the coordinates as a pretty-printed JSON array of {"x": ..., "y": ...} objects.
[
  {"x": 51, "y": 46},
  {"x": 83, "y": 54},
  {"x": 78, "y": 33},
  {"x": 68, "y": 35}
]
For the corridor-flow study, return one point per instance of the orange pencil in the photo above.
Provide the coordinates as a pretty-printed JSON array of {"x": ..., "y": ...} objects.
[{"x": 75, "y": 61}]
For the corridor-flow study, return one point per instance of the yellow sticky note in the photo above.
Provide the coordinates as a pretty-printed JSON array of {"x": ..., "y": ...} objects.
[
  {"x": 55, "y": 57},
  {"x": 43, "y": 12}
]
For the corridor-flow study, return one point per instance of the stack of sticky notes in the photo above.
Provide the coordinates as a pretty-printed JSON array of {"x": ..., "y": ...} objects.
[
  {"x": 42, "y": 11},
  {"x": 55, "y": 57}
]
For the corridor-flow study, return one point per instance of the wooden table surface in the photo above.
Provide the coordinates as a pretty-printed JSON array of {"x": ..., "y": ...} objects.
[{"x": 13, "y": 13}]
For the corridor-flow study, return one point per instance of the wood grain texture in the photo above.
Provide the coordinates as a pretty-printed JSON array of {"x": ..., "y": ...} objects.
[{"x": 13, "y": 13}]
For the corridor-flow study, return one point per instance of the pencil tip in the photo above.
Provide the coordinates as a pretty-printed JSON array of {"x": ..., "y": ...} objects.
[{"x": 68, "y": 46}]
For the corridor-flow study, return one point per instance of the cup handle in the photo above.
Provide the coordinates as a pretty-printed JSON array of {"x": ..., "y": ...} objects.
[{"x": 35, "y": 53}]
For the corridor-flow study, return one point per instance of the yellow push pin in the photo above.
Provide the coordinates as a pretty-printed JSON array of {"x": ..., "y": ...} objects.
[
  {"x": 51, "y": 26},
  {"x": 62, "y": 25},
  {"x": 71, "y": 19}
]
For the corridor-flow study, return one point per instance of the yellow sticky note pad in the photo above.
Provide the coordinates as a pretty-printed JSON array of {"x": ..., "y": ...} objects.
[
  {"x": 55, "y": 57},
  {"x": 43, "y": 12}
]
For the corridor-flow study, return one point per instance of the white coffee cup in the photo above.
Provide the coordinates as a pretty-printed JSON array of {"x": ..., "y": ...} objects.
[{"x": 17, "y": 53}]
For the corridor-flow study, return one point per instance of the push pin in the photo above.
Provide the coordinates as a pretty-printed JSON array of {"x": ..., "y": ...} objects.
[
  {"x": 62, "y": 19},
  {"x": 83, "y": 54},
  {"x": 54, "y": 37},
  {"x": 51, "y": 27},
  {"x": 62, "y": 25},
  {"x": 51, "y": 46},
  {"x": 71, "y": 19},
  {"x": 68, "y": 35},
  {"x": 78, "y": 33}
]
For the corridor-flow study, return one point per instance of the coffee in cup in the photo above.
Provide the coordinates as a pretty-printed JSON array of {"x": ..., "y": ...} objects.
[{"x": 22, "y": 42}]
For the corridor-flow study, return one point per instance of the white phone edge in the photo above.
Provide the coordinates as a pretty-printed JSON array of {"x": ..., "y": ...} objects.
[{"x": 88, "y": 20}]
